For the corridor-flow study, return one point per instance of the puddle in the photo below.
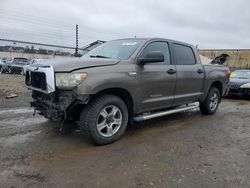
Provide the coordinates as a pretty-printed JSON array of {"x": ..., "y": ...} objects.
[
  {"x": 17, "y": 139},
  {"x": 21, "y": 122},
  {"x": 16, "y": 111}
]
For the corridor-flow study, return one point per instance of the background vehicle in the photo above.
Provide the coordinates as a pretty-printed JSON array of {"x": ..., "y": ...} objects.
[
  {"x": 240, "y": 83},
  {"x": 17, "y": 67},
  {"x": 1, "y": 65},
  {"x": 4, "y": 67},
  {"x": 7, "y": 59},
  {"x": 32, "y": 61},
  {"x": 9, "y": 62},
  {"x": 124, "y": 81}
]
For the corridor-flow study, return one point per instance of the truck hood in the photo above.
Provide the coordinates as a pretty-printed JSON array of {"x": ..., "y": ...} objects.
[{"x": 72, "y": 64}]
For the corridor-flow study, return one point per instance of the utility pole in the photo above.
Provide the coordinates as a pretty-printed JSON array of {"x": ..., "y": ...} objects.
[{"x": 76, "y": 50}]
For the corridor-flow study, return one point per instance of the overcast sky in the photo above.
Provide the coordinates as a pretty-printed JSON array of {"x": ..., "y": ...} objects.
[{"x": 210, "y": 24}]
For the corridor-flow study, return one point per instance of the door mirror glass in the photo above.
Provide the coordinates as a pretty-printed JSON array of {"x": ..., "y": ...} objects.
[{"x": 152, "y": 57}]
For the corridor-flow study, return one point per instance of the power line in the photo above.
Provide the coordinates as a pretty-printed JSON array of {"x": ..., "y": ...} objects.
[
  {"x": 50, "y": 24},
  {"x": 39, "y": 44},
  {"x": 17, "y": 14},
  {"x": 16, "y": 30},
  {"x": 64, "y": 29},
  {"x": 22, "y": 35},
  {"x": 33, "y": 22},
  {"x": 16, "y": 25}
]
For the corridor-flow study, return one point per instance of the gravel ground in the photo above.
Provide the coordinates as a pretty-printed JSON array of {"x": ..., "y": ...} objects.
[
  {"x": 13, "y": 83},
  {"x": 181, "y": 150}
]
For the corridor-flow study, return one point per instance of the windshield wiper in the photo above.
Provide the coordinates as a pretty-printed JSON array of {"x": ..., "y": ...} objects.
[{"x": 99, "y": 56}]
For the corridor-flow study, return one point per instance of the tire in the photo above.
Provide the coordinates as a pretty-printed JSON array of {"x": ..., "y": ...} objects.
[
  {"x": 9, "y": 70},
  {"x": 104, "y": 119},
  {"x": 22, "y": 72},
  {"x": 1, "y": 70},
  {"x": 211, "y": 103}
]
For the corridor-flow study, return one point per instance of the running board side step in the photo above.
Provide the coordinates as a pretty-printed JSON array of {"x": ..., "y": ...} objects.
[{"x": 164, "y": 113}]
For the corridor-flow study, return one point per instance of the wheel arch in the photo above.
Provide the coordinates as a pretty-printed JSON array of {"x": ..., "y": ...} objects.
[
  {"x": 122, "y": 94},
  {"x": 75, "y": 110},
  {"x": 219, "y": 86}
]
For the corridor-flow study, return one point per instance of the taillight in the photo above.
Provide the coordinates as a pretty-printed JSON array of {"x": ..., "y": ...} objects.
[{"x": 229, "y": 73}]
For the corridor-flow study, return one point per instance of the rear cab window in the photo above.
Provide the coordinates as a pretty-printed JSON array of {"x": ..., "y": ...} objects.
[{"x": 184, "y": 55}]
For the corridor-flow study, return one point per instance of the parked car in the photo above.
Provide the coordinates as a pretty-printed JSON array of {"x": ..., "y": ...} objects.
[
  {"x": 7, "y": 59},
  {"x": 122, "y": 81},
  {"x": 5, "y": 64},
  {"x": 239, "y": 83},
  {"x": 32, "y": 61},
  {"x": 9, "y": 62},
  {"x": 1, "y": 62},
  {"x": 1, "y": 67},
  {"x": 17, "y": 67}
]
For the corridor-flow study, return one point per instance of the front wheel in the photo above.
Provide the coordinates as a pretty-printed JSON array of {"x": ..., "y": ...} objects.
[
  {"x": 212, "y": 101},
  {"x": 104, "y": 119}
]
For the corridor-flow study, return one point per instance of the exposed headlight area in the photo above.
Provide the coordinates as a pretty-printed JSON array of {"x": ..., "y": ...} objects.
[
  {"x": 69, "y": 80},
  {"x": 245, "y": 86}
]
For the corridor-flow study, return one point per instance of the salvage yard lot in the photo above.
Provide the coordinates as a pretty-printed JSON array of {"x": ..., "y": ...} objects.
[{"x": 181, "y": 150}]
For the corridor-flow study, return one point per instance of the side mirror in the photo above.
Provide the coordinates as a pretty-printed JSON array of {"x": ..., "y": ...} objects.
[{"x": 152, "y": 57}]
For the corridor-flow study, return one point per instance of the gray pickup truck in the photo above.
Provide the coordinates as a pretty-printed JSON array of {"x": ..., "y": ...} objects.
[{"x": 125, "y": 81}]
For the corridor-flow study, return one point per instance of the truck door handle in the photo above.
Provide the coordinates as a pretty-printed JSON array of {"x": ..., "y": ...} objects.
[
  {"x": 199, "y": 71},
  {"x": 171, "y": 71}
]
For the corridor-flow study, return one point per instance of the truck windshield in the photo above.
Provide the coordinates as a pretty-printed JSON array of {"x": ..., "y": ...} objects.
[{"x": 117, "y": 49}]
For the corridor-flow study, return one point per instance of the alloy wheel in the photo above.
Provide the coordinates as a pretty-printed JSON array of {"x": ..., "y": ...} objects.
[
  {"x": 214, "y": 101},
  {"x": 109, "y": 121}
]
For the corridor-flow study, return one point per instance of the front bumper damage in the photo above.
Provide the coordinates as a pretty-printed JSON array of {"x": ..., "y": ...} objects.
[
  {"x": 59, "y": 105},
  {"x": 54, "y": 104}
]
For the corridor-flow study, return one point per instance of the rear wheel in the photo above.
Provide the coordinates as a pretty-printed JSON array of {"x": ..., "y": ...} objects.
[
  {"x": 104, "y": 119},
  {"x": 211, "y": 103}
]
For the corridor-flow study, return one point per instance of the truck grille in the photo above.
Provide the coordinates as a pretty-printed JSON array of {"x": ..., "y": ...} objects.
[{"x": 36, "y": 80}]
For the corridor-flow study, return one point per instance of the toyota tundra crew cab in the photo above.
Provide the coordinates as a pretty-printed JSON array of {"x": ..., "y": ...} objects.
[{"x": 125, "y": 81}]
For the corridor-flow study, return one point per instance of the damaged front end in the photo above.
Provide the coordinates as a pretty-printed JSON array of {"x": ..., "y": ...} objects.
[{"x": 54, "y": 104}]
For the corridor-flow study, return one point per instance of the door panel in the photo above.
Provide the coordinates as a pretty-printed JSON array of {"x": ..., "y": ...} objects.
[
  {"x": 156, "y": 81},
  {"x": 189, "y": 84},
  {"x": 190, "y": 75},
  {"x": 156, "y": 86}
]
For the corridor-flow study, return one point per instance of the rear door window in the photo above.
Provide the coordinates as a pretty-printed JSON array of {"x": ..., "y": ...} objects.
[{"x": 184, "y": 55}]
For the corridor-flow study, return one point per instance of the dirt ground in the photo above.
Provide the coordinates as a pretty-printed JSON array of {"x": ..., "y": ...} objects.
[
  {"x": 181, "y": 150},
  {"x": 13, "y": 83}
]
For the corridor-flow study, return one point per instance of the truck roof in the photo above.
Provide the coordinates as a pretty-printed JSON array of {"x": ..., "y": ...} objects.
[{"x": 157, "y": 38}]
